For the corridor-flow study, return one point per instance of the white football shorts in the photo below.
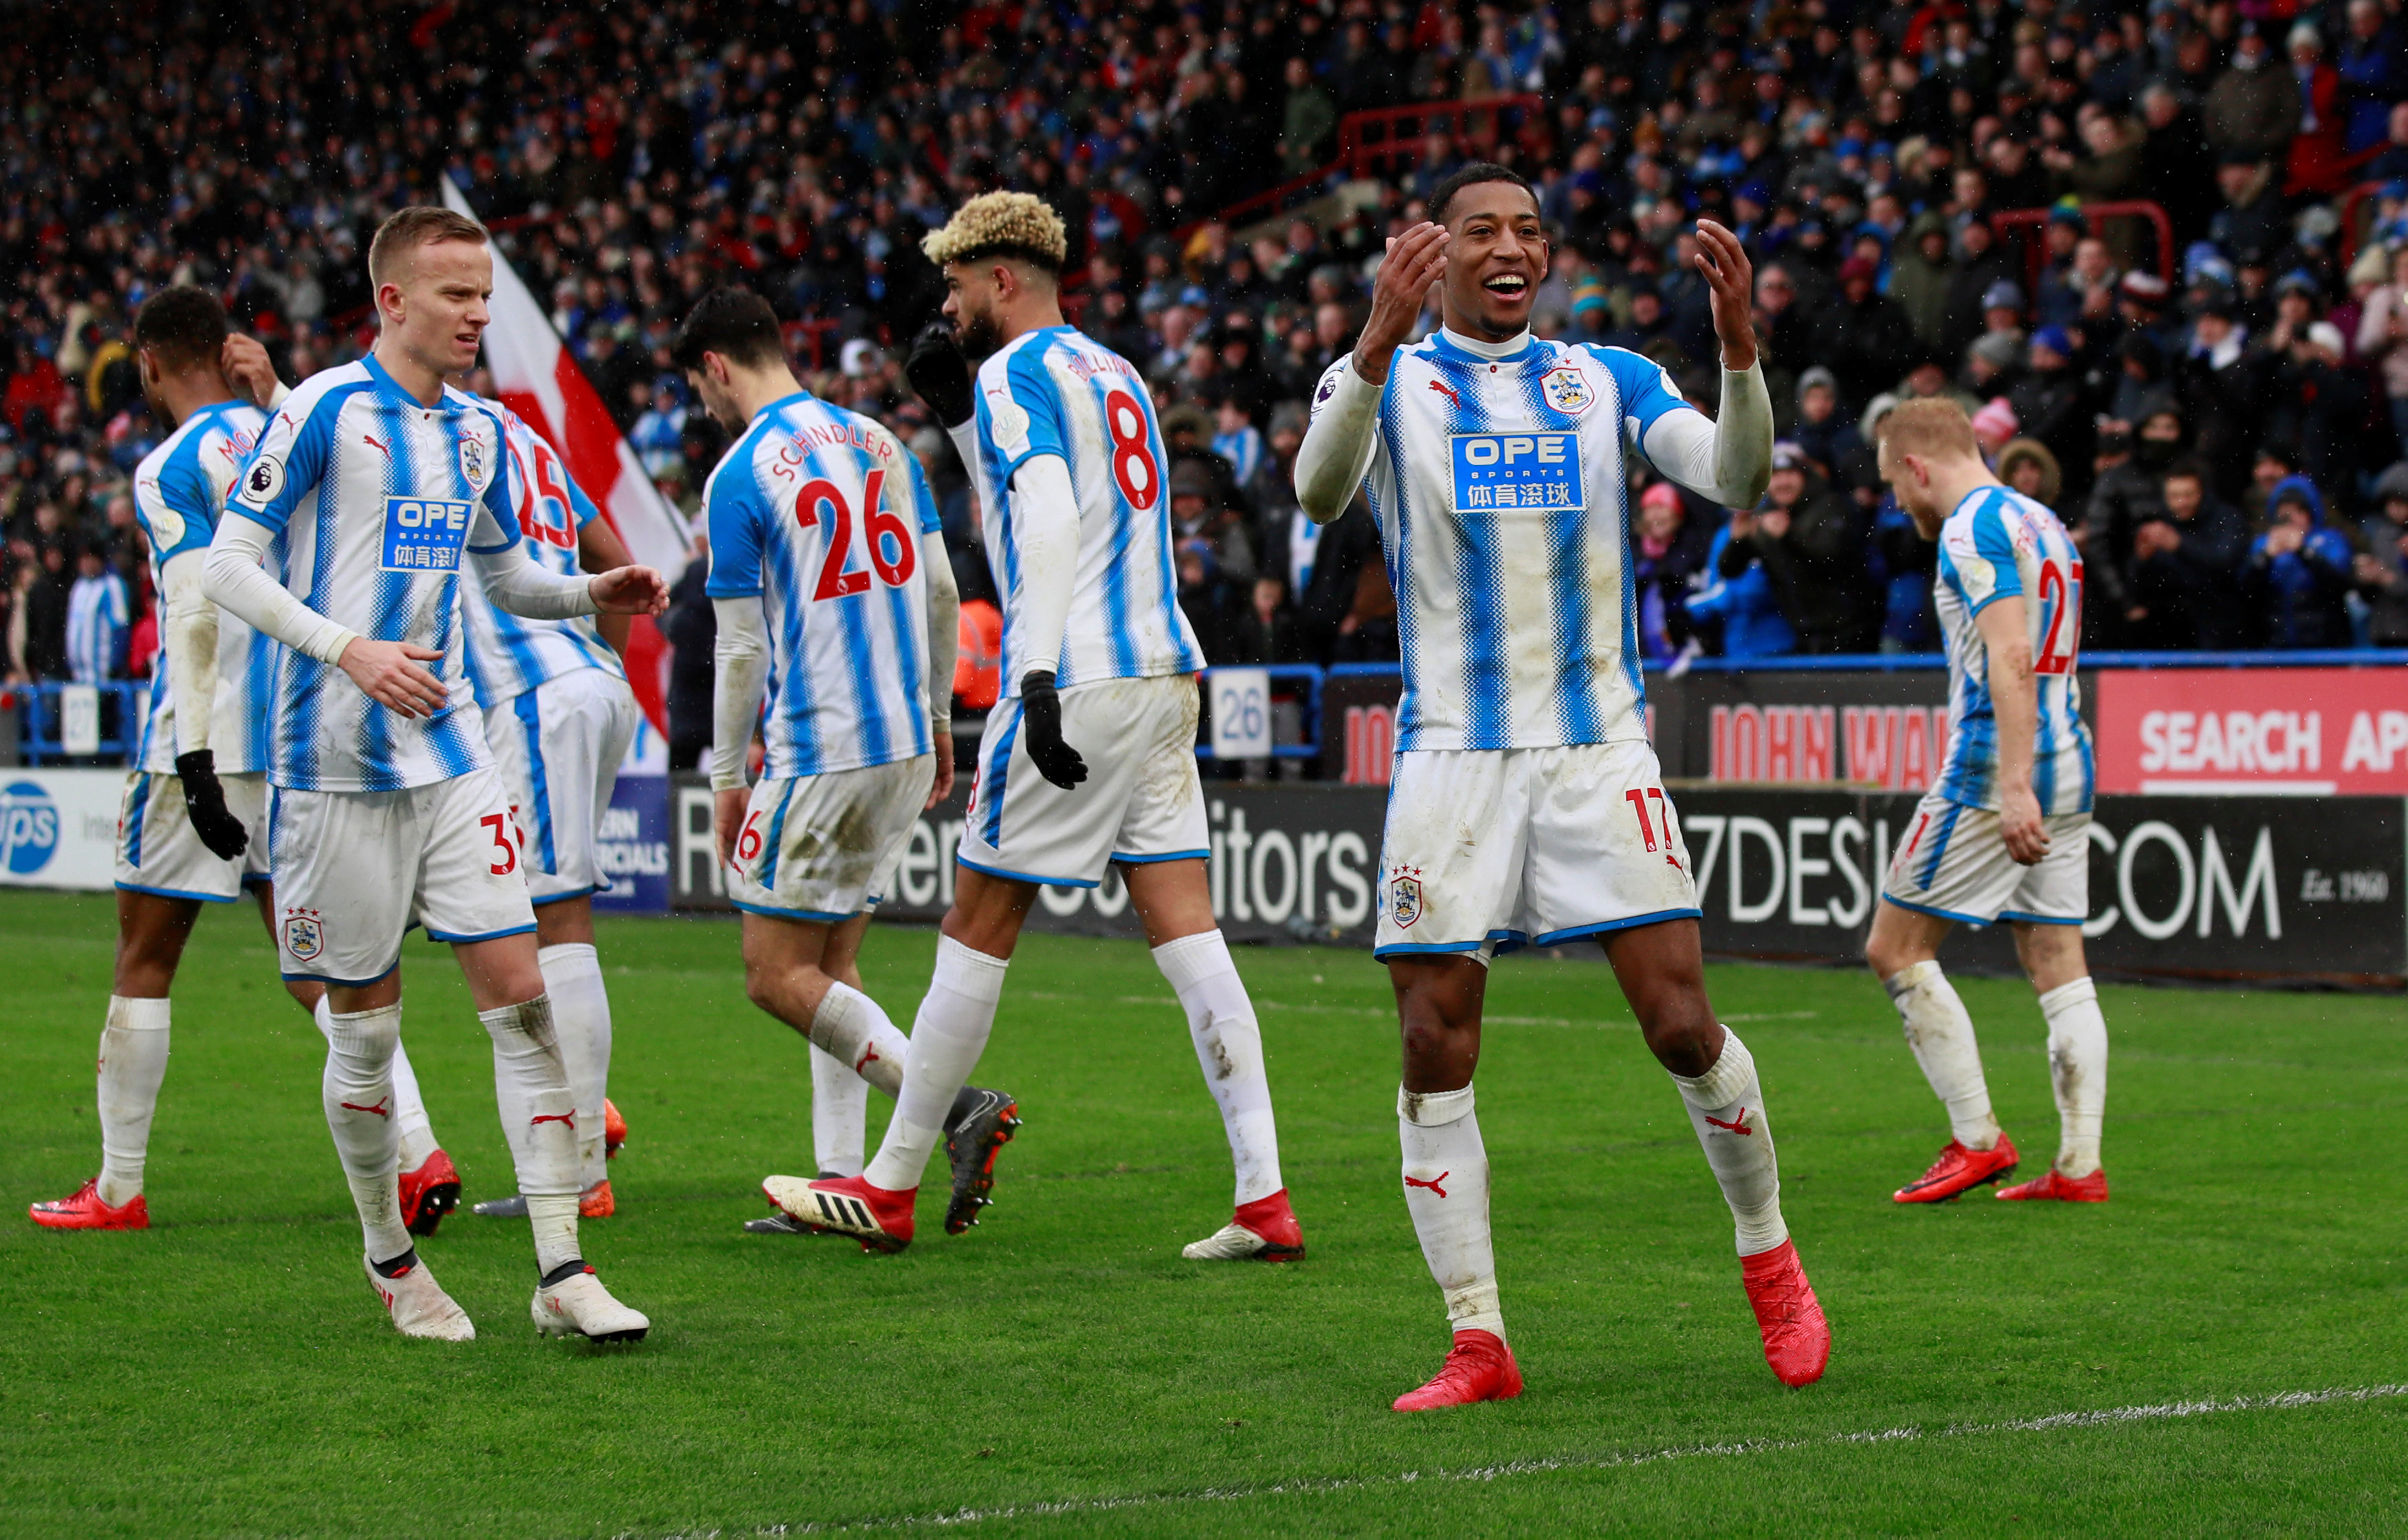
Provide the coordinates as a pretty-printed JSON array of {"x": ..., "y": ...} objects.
[
  {"x": 825, "y": 847},
  {"x": 1954, "y": 863},
  {"x": 1490, "y": 849},
  {"x": 558, "y": 748},
  {"x": 355, "y": 869},
  {"x": 1142, "y": 801},
  {"x": 157, "y": 851}
]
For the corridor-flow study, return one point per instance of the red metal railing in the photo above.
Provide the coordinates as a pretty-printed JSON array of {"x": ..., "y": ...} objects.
[
  {"x": 1382, "y": 138},
  {"x": 2010, "y": 221}
]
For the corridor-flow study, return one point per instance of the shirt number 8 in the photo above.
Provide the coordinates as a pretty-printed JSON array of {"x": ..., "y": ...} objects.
[{"x": 1133, "y": 462}]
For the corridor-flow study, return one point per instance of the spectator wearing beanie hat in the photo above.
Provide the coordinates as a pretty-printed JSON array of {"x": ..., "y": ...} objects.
[
  {"x": 2382, "y": 568},
  {"x": 1861, "y": 337},
  {"x": 2298, "y": 572}
]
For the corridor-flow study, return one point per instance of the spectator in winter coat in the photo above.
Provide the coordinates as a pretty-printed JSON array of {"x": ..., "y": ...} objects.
[
  {"x": 2372, "y": 76},
  {"x": 2299, "y": 570},
  {"x": 2311, "y": 401},
  {"x": 1861, "y": 337},
  {"x": 2051, "y": 403},
  {"x": 1908, "y": 564},
  {"x": 2026, "y": 465},
  {"x": 1667, "y": 551},
  {"x": 1742, "y": 605},
  {"x": 1826, "y": 435},
  {"x": 2254, "y": 107},
  {"x": 2181, "y": 582},
  {"x": 2382, "y": 568},
  {"x": 1813, "y": 544},
  {"x": 1919, "y": 274},
  {"x": 691, "y": 627},
  {"x": 2383, "y": 337}
]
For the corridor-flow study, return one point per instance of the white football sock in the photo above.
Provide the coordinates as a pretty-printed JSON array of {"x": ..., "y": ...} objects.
[
  {"x": 852, "y": 1030},
  {"x": 947, "y": 1038},
  {"x": 1229, "y": 1047},
  {"x": 1727, "y": 1108},
  {"x": 2077, "y": 1069},
  {"x": 540, "y": 1120},
  {"x": 580, "y": 1014},
  {"x": 358, "y": 1094},
  {"x": 409, "y": 1113},
  {"x": 1446, "y": 1192},
  {"x": 840, "y": 1115},
  {"x": 133, "y": 1063},
  {"x": 1942, "y": 1035}
]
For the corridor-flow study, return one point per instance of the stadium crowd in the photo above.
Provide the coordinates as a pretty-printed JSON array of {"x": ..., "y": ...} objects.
[{"x": 2229, "y": 439}]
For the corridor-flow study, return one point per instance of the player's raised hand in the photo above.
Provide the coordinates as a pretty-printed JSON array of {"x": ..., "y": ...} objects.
[
  {"x": 1041, "y": 721},
  {"x": 246, "y": 368},
  {"x": 389, "y": 673},
  {"x": 939, "y": 375},
  {"x": 629, "y": 591},
  {"x": 2020, "y": 825},
  {"x": 1414, "y": 260},
  {"x": 1730, "y": 280}
]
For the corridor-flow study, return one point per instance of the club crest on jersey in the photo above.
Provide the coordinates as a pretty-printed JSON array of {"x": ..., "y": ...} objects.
[
  {"x": 1405, "y": 897},
  {"x": 473, "y": 466},
  {"x": 1496, "y": 470},
  {"x": 1566, "y": 390},
  {"x": 425, "y": 533},
  {"x": 304, "y": 937}
]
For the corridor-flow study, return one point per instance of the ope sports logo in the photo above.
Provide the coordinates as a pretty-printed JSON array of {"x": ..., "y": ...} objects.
[
  {"x": 425, "y": 533},
  {"x": 1517, "y": 470},
  {"x": 29, "y": 827}
]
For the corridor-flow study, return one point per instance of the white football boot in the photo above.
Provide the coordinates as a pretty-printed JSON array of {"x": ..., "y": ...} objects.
[
  {"x": 575, "y": 1303},
  {"x": 418, "y": 1306}
]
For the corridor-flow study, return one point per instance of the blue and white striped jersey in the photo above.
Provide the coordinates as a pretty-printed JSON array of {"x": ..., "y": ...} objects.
[
  {"x": 1054, "y": 391},
  {"x": 1999, "y": 542},
  {"x": 98, "y": 619},
  {"x": 1502, "y": 494},
  {"x": 510, "y": 654},
  {"x": 818, "y": 511},
  {"x": 178, "y": 490},
  {"x": 380, "y": 499}
]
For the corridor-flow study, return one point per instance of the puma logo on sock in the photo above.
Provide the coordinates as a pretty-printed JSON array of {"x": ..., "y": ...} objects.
[
  {"x": 378, "y": 1109},
  {"x": 1412, "y": 1182},
  {"x": 1738, "y": 1125}
]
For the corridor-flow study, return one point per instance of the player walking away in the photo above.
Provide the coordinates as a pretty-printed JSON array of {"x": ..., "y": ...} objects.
[
  {"x": 558, "y": 719},
  {"x": 386, "y": 809},
  {"x": 1059, "y": 432},
  {"x": 192, "y": 829},
  {"x": 1527, "y": 804},
  {"x": 833, "y": 595},
  {"x": 2005, "y": 831}
]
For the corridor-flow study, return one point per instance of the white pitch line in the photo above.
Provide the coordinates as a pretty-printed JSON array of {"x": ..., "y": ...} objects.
[{"x": 1315, "y": 1486}]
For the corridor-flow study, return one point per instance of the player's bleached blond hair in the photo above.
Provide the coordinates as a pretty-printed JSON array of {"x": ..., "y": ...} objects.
[
  {"x": 1929, "y": 426},
  {"x": 1001, "y": 225}
]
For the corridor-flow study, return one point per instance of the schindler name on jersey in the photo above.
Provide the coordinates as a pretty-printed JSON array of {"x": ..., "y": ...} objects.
[
  {"x": 425, "y": 533},
  {"x": 1517, "y": 470}
]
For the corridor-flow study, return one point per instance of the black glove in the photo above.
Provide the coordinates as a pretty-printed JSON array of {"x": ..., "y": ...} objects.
[
  {"x": 940, "y": 375},
  {"x": 1041, "y": 721},
  {"x": 205, "y": 804}
]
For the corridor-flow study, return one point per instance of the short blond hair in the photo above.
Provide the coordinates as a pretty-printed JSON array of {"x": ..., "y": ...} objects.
[
  {"x": 421, "y": 224},
  {"x": 1932, "y": 425},
  {"x": 1001, "y": 225}
]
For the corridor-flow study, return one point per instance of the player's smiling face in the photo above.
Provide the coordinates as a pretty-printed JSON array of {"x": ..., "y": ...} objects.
[
  {"x": 437, "y": 305},
  {"x": 1496, "y": 259}
]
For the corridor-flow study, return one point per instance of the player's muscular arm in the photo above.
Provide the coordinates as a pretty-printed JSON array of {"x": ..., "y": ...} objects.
[
  {"x": 599, "y": 549},
  {"x": 2015, "y": 699},
  {"x": 1339, "y": 446},
  {"x": 944, "y": 642},
  {"x": 741, "y": 656}
]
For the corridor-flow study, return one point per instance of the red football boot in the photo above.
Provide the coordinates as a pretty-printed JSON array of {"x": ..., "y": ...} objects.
[
  {"x": 845, "y": 1206},
  {"x": 614, "y": 1130},
  {"x": 595, "y": 1202},
  {"x": 1797, "y": 1338},
  {"x": 2065, "y": 1190},
  {"x": 84, "y": 1210},
  {"x": 1263, "y": 1231},
  {"x": 428, "y": 1193},
  {"x": 1479, "y": 1367},
  {"x": 1956, "y": 1170}
]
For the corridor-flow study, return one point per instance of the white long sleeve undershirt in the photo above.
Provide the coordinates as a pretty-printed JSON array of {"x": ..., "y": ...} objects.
[
  {"x": 944, "y": 630},
  {"x": 189, "y": 636},
  {"x": 1045, "y": 529},
  {"x": 234, "y": 579},
  {"x": 741, "y": 659}
]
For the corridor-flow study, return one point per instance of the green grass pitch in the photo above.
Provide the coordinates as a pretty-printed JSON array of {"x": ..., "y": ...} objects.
[{"x": 1060, "y": 1370}]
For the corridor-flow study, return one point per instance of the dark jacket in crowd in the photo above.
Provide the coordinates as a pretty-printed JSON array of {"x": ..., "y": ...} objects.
[
  {"x": 2189, "y": 592},
  {"x": 1819, "y": 571},
  {"x": 692, "y": 627}
]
